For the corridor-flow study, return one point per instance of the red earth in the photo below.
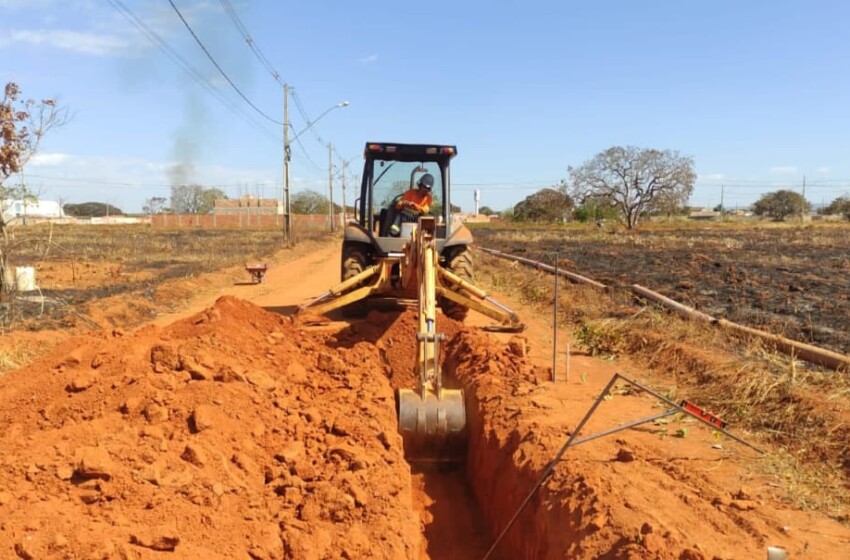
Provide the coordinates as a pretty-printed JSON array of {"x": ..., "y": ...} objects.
[{"x": 226, "y": 429}]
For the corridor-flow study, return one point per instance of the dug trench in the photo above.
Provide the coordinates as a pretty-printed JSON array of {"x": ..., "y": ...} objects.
[
  {"x": 239, "y": 433},
  {"x": 235, "y": 433}
]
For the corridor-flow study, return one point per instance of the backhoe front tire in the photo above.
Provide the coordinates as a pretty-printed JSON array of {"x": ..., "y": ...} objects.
[
  {"x": 458, "y": 261},
  {"x": 354, "y": 261}
]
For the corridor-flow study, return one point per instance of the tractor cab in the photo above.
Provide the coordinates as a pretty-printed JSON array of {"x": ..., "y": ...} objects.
[{"x": 390, "y": 170}]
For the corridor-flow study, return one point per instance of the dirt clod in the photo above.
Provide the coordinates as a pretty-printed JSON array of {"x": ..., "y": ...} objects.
[{"x": 95, "y": 462}]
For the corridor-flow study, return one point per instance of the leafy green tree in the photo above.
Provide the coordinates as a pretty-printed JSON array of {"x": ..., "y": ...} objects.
[
  {"x": 596, "y": 208},
  {"x": 781, "y": 204},
  {"x": 839, "y": 206},
  {"x": 208, "y": 198},
  {"x": 309, "y": 202},
  {"x": 546, "y": 205},
  {"x": 91, "y": 210},
  {"x": 486, "y": 211},
  {"x": 638, "y": 181}
]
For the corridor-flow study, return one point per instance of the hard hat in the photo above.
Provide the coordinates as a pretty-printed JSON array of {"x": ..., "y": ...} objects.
[{"x": 426, "y": 182}]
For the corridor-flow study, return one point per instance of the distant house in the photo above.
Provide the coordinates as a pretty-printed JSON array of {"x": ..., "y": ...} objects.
[
  {"x": 22, "y": 209},
  {"x": 247, "y": 205}
]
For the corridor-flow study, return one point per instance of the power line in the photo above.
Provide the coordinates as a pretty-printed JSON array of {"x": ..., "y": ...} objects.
[
  {"x": 175, "y": 57},
  {"x": 254, "y": 48},
  {"x": 84, "y": 182},
  {"x": 222, "y": 72},
  {"x": 303, "y": 113}
]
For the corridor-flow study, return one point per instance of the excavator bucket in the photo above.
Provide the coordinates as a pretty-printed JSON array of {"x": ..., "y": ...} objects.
[{"x": 433, "y": 426}]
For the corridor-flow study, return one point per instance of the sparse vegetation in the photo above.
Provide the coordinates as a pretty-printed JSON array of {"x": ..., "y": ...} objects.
[
  {"x": 839, "y": 206},
  {"x": 23, "y": 124},
  {"x": 551, "y": 205},
  {"x": 781, "y": 204},
  {"x": 139, "y": 259},
  {"x": 769, "y": 398}
]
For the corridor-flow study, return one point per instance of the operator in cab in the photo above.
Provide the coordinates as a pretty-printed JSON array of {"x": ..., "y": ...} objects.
[{"x": 413, "y": 203}]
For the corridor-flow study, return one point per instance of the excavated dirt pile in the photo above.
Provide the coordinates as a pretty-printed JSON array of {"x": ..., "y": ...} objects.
[
  {"x": 236, "y": 433},
  {"x": 231, "y": 434}
]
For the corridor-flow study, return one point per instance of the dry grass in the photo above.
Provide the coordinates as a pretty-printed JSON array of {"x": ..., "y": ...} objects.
[
  {"x": 141, "y": 246},
  {"x": 13, "y": 358},
  {"x": 802, "y": 412},
  {"x": 143, "y": 259}
]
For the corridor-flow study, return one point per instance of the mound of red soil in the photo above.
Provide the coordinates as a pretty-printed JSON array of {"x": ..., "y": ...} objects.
[{"x": 231, "y": 434}]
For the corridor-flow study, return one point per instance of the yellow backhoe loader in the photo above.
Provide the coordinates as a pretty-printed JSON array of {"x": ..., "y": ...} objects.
[{"x": 426, "y": 258}]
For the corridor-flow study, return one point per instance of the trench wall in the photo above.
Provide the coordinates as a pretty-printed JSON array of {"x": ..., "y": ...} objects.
[{"x": 502, "y": 468}]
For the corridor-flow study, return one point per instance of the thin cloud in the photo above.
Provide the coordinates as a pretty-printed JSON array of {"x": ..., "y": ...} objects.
[
  {"x": 784, "y": 170},
  {"x": 49, "y": 160},
  {"x": 823, "y": 170},
  {"x": 712, "y": 177},
  {"x": 369, "y": 59},
  {"x": 64, "y": 39}
]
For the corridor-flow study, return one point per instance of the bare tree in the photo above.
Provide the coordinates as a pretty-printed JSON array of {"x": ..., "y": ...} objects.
[
  {"x": 23, "y": 125},
  {"x": 155, "y": 205},
  {"x": 194, "y": 199},
  {"x": 637, "y": 181}
]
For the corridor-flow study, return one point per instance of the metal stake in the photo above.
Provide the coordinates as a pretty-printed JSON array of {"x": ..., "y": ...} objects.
[{"x": 555, "y": 325}]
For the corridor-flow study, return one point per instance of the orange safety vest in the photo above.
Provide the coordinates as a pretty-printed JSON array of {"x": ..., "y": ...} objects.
[{"x": 420, "y": 199}]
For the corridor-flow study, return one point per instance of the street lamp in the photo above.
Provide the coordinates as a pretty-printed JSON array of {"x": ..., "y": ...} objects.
[{"x": 287, "y": 154}]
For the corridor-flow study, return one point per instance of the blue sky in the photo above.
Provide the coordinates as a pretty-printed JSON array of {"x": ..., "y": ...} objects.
[{"x": 756, "y": 92}]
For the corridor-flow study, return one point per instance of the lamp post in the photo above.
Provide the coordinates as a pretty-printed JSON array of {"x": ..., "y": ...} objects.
[{"x": 287, "y": 155}]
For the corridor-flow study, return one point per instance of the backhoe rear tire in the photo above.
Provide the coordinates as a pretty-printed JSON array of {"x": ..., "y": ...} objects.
[
  {"x": 354, "y": 261},
  {"x": 458, "y": 261}
]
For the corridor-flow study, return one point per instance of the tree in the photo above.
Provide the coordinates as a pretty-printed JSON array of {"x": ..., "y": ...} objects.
[
  {"x": 486, "y": 211},
  {"x": 840, "y": 206},
  {"x": 155, "y": 205},
  {"x": 23, "y": 125},
  {"x": 638, "y": 181},
  {"x": 546, "y": 205},
  {"x": 91, "y": 210},
  {"x": 194, "y": 199},
  {"x": 781, "y": 204},
  {"x": 595, "y": 208},
  {"x": 309, "y": 202}
]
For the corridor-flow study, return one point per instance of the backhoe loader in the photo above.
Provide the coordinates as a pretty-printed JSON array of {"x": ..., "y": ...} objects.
[{"x": 430, "y": 261}]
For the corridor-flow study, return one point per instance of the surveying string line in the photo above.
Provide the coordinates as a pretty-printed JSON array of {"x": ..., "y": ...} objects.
[
  {"x": 221, "y": 71},
  {"x": 187, "y": 68}
]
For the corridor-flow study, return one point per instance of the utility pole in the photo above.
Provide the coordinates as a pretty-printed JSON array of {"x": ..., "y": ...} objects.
[
  {"x": 344, "y": 176},
  {"x": 803, "y": 205},
  {"x": 287, "y": 223},
  {"x": 722, "y": 192},
  {"x": 330, "y": 187}
]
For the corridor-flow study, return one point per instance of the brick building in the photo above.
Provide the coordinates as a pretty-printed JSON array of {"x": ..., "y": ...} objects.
[{"x": 247, "y": 205}]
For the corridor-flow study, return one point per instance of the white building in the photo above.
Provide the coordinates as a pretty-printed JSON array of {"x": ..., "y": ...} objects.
[{"x": 20, "y": 209}]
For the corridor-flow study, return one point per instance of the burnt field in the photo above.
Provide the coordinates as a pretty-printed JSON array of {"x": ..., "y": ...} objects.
[
  {"x": 788, "y": 280},
  {"x": 83, "y": 272}
]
